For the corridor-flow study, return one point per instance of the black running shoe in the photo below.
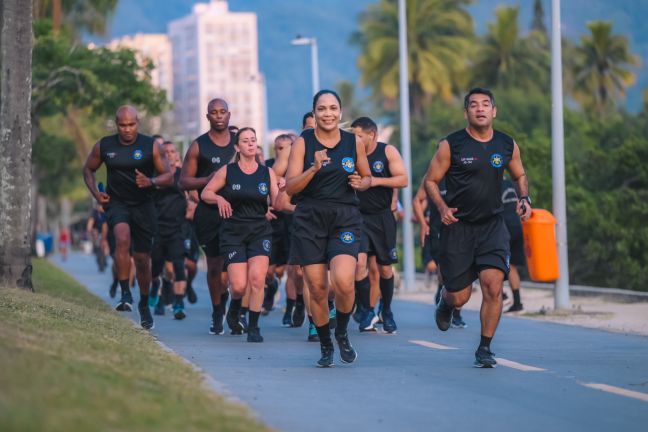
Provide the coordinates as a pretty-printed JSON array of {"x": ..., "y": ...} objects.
[
  {"x": 484, "y": 358},
  {"x": 437, "y": 296},
  {"x": 443, "y": 315},
  {"x": 191, "y": 294},
  {"x": 347, "y": 353},
  {"x": 268, "y": 298},
  {"x": 217, "y": 323},
  {"x": 298, "y": 315},
  {"x": 327, "y": 356},
  {"x": 457, "y": 320},
  {"x": 243, "y": 321},
  {"x": 389, "y": 325},
  {"x": 159, "y": 308},
  {"x": 233, "y": 322},
  {"x": 515, "y": 308},
  {"x": 125, "y": 302},
  {"x": 146, "y": 319},
  {"x": 286, "y": 321},
  {"x": 254, "y": 334},
  {"x": 113, "y": 289},
  {"x": 178, "y": 311}
]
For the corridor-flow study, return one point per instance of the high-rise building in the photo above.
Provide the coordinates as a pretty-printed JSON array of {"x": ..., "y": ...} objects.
[
  {"x": 215, "y": 54},
  {"x": 155, "y": 48}
]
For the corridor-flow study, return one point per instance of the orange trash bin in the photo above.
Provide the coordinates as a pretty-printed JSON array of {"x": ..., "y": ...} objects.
[{"x": 540, "y": 246}]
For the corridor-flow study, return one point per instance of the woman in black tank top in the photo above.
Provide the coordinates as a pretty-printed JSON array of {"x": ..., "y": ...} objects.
[
  {"x": 245, "y": 233},
  {"x": 326, "y": 168}
]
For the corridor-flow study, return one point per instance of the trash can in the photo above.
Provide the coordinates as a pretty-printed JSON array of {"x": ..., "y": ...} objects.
[{"x": 540, "y": 246}]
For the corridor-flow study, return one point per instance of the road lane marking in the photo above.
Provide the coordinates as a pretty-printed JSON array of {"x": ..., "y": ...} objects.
[
  {"x": 619, "y": 391},
  {"x": 432, "y": 345},
  {"x": 519, "y": 366}
]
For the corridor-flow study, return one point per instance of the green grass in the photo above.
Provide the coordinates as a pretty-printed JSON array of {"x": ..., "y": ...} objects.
[{"x": 70, "y": 363}]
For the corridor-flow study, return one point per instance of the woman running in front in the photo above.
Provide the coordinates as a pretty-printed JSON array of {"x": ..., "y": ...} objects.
[
  {"x": 325, "y": 169},
  {"x": 245, "y": 235}
]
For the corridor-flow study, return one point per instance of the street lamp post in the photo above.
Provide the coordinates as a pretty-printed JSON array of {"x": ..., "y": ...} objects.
[{"x": 300, "y": 40}]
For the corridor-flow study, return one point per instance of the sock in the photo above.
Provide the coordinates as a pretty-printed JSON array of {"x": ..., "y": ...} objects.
[
  {"x": 324, "y": 333},
  {"x": 123, "y": 284},
  {"x": 143, "y": 300},
  {"x": 485, "y": 341},
  {"x": 216, "y": 309},
  {"x": 235, "y": 305},
  {"x": 310, "y": 320},
  {"x": 300, "y": 299},
  {"x": 223, "y": 302},
  {"x": 387, "y": 293},
  {"x": 244, "y": 311},
  {"x": 290, "y": 304},
  {"x": 331, "y": 305},
  {"x": 456, "y": 313},
  {"x": 155, "y": 287},
  {"x": 178, "y": 298},
  {"x": 363, "y": 288},
  {"x": 254, "y": 319},
  {"x": 516, "y": 297},
  {"x": 342, "y": 323}
]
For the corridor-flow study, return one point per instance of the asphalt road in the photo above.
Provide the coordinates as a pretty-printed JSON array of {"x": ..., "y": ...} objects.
[{"x": 550, "y": 376}]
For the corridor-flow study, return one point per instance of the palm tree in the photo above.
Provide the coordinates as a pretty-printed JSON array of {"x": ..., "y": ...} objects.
[
  {"x": 602, "y": 69},
  {"x": 78, "y": 15},
  {"x": 439, "y": 36},
  {"x": 505, "y": 59}
]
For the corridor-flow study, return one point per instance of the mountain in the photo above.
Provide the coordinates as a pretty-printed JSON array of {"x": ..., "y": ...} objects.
[{"x": 287, "y": 68}]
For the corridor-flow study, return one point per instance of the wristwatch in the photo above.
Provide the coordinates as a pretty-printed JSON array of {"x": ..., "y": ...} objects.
[{"x": 526, "y": 198}]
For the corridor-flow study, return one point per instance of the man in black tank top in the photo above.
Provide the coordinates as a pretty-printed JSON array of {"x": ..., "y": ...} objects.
[
  {"x": 474, "y": 239},
  {"x": 378, "y": 238},
  {"x": 131, "y": 160},
  {"x": 208, "y": 153}
]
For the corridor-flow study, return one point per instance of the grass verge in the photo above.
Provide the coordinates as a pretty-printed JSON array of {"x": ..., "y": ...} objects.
[{"x": 68, "y": 362}]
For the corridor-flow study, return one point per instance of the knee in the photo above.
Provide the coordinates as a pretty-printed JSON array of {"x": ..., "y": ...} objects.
[
  {"x": 256, "y": 282},
  {"x": 492, "y": 291},
  {"x": 386, "y": 272}
]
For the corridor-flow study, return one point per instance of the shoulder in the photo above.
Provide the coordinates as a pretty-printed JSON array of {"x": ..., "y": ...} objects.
[
  {"x": 499, "y": 135},
  {"x": 145, "y": 139},
  {"x": 307, "y": 134},
  {"x": 390, "y": 150},
  {"x": 456, "y": 136}
]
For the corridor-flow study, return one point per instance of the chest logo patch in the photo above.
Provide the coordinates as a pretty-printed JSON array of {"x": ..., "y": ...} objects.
[
  {"x": 111, "y": 155},
  {"x": 216, "y": 159},
  {"x": 266, "y": 245},
  {"x": 347, "y": 237},
  {"x": 236, "y": 186},
  {"x": 378, "y": 166},
  {"x": 263, "y": 189},
  {"x": 137, "y": 154},
  {"x": 348, "y": 164},
  {"x": 496, "y": 160}
]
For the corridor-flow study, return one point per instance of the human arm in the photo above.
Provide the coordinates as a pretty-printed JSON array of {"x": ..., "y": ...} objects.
[
  {"x": 436, "y": 172},
  {"x": 210, "y": 196},
  {"x": 188, "y": 179},
  {"x": 296, "y": 178},
  {"x": 164, "y": 177},
  {"x": 397, "y": 169},
  {"x": 419, "y": 204},
  {"x": 516, "y": 169},
  {"x": 361, "y": 178},
  {"x": 92, "y": 164}
]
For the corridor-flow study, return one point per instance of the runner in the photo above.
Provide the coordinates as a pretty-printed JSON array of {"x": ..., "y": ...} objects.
[
  {"x": 379, "y": 225},
  {"x": 326, "y": 168},
  {"x": 191, "y": 247},
  {"x": 131, "y": 160},
  {"x": 245, "y": 234},
  {"x": 514, "y": 226},
  {"x": 474, "y": 239},
  {"x": 206, "y": 155}
]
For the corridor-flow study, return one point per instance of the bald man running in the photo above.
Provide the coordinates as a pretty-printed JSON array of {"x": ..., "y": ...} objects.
[{"x": 131, "y": 161}]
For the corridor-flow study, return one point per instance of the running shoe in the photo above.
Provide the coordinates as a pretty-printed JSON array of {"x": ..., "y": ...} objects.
[
  {"x": 358, "y": 313},
  {"x": 113, "y": 289},
  {"x": 125, "y": 302},
  {"x": 443, "y": 315},
  {"x": 268, "y": 298},
  {"x": 154, "y": 298},
  {"x": 234, "y": 323},
  {"x": 379, "y": 314},
  {"x": 347, "y": 353},
  {"x": 146, "y": 319},
  {"x": 457, "y": 320},
  {"x": 437, "y": 296},
  {"x": 312, "y": 333},
  {"x": 191, "y": 294},
  {"x": 159, "y": 308},
  {"x": 389, "y": 325},
  {"x": 368, "y": 324},
  {"x": 243, "y": 321},
  {"x": 515, "y": 308},
  {"x": 332, "y": 318},
  {"x": 286, "y": 321},
  {"x": 327, "y": 356},
  {"x": 254, "y": 334},
  {"x": 178, "y": 311},
  {"x": 484, "y": 358},
  {"x": 298, "y": 315},
  {"x": 217, "y": 323}
]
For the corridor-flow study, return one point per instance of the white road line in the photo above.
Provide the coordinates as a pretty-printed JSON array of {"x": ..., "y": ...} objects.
[
  {"x": 619, "y": 391},
  {"x": 432, "y": 345},
  {"x": 518, "y": 366}
]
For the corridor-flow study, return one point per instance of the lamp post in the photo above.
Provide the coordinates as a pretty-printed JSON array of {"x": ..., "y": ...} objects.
[{"x": 300, "y": 40}]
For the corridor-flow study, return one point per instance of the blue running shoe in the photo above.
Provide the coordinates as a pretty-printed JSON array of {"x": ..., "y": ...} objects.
[
  {"x": 178, "y": 311},
  {"x": 368, "y": 324}
]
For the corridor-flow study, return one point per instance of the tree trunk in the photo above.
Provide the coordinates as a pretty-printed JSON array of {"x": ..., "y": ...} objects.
[{"x": 15, "y": 143}]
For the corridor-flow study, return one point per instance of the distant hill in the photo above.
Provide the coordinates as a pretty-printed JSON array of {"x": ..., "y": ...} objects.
[{"x": 287, "y": 68}]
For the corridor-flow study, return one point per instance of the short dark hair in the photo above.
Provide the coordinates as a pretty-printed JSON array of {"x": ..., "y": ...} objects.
[
  {"x": 283, "y": 137},
  {"x": 308, "y": 115},
  {"x": 321, "y": 93},
  {"x": 478, "y": 90},
  {"x": 156, "y": 136},
  {"x": 366, "y": 124},
  {"x": 168, "y": 143}
]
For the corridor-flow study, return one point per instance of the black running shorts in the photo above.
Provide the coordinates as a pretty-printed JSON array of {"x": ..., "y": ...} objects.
[
  {"x": 207, "y": 225},
  {"x": 141, "y": 218},
  {"x": 468, "y": 248},
  {"x": 379, "y": 237},
  {"x": 168, "y": 248},
  {"x": 240, "y": 241},
  {"x": 280, "y": 241},
  {"x": 430, "y": 248},
  {"x": 514, "y": 226},
  {"x": 322, "y": 232}
]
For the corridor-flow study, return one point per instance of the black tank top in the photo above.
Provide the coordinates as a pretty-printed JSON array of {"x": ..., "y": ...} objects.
[
  {"x": 211, "y": 156},
  {"x": 247, "y": 193},
  {"x": 474, "y": 180},
  {"x": 377, "y": 199},
  {"x": 270, "y": 162},
  {"x": 330, "y": 185},
  {"x": 170, "y": 204},
  {"x": 121, "y": 162}
]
